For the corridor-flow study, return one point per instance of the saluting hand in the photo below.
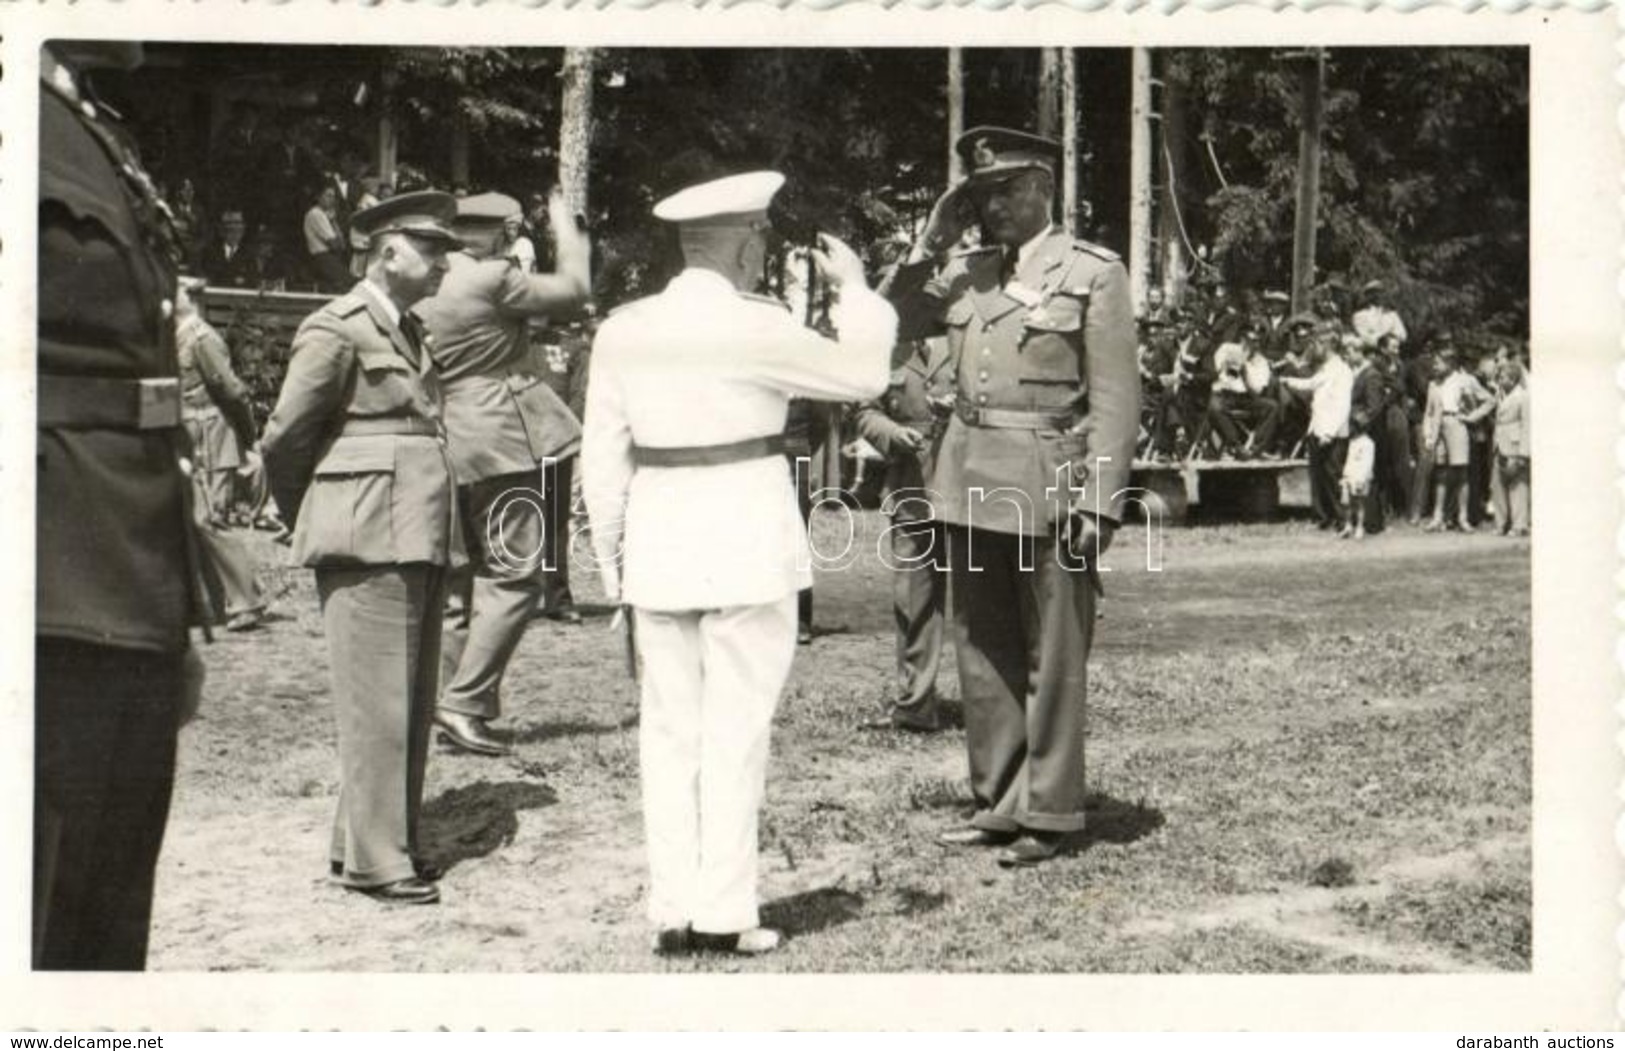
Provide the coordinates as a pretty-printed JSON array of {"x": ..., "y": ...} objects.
[
  {"x": 837, "y": 264},
  {"x": 949, "y": 217}
]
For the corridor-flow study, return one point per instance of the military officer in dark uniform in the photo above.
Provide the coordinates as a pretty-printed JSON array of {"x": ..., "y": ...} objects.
[
  {"x": 356, "y": 456},
  {"x": 1030, "y": 475},
  {"x": 562, "y": 364},
  {"x": 114, "y": 676},
  {"x": 903, "y": 424}
]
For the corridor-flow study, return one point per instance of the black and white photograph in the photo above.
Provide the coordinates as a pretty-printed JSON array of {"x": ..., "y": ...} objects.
[{"x": 622, "y": 507}]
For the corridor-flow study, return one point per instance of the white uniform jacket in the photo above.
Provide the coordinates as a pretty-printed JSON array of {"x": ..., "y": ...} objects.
[{"x": 702, "y": 364}]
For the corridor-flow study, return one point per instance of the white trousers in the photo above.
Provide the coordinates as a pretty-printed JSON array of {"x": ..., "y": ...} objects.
[{"x": 711, "y": 680}]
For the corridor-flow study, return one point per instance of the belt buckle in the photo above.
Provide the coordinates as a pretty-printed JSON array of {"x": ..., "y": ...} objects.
[{"x": 158, "y": 403}]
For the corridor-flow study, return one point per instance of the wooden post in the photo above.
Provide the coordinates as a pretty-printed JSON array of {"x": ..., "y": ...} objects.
[
  {"x": 1174, "y": 166},
  {"x": 575, "y": 128},
  {"x": 1140, "y": 143},
  {"x": 1069, "y": 140},
  {"x": 1312, "y": 76},
  {"x": 459, "y": 149},
  {"x": 956, "y": 111}
]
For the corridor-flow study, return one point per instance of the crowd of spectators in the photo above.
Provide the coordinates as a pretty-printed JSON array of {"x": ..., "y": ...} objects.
[{"x": 1426, "y": 431}]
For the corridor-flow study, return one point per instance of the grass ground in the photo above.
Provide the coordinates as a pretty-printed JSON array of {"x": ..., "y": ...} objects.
[{"x": 1306, "y": 755}]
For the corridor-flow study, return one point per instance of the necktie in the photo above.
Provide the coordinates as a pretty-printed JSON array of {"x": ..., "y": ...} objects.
[{"x": 1007, "y": 266}]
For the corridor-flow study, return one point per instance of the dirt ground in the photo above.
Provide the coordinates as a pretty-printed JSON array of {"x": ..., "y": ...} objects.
[{"x": 1306, "y": 755}]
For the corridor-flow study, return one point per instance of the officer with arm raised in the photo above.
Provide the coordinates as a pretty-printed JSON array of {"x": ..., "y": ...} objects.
[{"x": 1029, "y": 477}]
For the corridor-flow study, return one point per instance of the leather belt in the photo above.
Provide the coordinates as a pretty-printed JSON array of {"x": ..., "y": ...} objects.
[
  {"x": 98, "y": 401},
  {"x": 1014, "y": 419},
  {"x": 360, "y": 426},
  {"x": 708, "y": 455}
]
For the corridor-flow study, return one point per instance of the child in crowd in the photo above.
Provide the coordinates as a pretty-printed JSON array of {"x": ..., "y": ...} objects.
[
  {"x": 1511, "y": 490},
  {"x": 1355, "y": 487}
]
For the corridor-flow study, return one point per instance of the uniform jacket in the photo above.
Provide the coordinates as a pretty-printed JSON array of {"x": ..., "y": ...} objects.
[
  {"x": 1058, "y": 338},
  {"x": 214, "y": 401},
  {"x": 923, "y": 369},
  {"x": 501, "y": 417},
  {"x": 700, "y": 364},
  {"x": 361, "y": 499},
  {"x": 111, "y": 517}
]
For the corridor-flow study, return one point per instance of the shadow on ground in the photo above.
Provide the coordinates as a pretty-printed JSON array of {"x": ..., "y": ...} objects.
[{"x": 473, "y": 820}]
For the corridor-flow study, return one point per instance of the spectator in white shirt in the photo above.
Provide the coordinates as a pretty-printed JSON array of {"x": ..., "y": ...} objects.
[
  {"x": 1374, "y": 319},
  {"x": 1331, "y": 387},
  {"x": 324, "y": 245},
  {"x": 521, "y": 249},
  {"x": 1456, "y": 400}
]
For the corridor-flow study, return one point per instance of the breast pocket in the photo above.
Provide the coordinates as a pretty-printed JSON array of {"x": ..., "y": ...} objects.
[
  {"x": 1052, "y": 342},
  {"x": 385, "y": 381},
  {"x": 348, "y": 514}
]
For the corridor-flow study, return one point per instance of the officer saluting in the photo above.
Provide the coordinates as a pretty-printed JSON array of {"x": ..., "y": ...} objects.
[
  {"x": 356, "y": 456},
  {"x": 695, "y": 526},
  {"x": 505, "y": 426},
  {"x": 1042, "y": 330}
]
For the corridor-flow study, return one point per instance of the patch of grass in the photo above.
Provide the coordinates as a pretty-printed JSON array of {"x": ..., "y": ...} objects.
[{"x": 1483, "y": 919}]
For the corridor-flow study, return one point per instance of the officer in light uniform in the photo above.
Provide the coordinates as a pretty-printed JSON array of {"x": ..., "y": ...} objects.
[
  {"x": 505, "y": 426},
  {"x": 356, "y": 456},
  {"x": 1030, "y": 475},
  {"x": 695, "y": 526}
]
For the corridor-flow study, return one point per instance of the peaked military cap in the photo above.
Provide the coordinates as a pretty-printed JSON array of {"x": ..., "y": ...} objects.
[
  {"x": 727, "y": 201},
  {"x": 994, "y": 153},
  {"x": 486, "y": 209},
  {"x": 425, "y": 213}
]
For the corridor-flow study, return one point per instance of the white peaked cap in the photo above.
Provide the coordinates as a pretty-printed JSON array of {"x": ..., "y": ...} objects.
[{"x": 720, "y": 199}]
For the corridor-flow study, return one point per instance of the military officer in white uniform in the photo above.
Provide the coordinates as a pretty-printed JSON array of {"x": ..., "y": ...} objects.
[{"x": 695, "y": 527}]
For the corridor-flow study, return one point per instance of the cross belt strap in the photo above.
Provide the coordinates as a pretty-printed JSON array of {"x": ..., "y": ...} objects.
[
  {"x": 708, "y": 455},
  {"x": 369, "y": 425},
  {"x": 1014, "y": 419},
  {"x": 100, "y": 401}
]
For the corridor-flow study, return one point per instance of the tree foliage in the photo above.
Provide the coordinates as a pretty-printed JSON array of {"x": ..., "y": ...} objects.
[{"x": 1424, "y": 178}]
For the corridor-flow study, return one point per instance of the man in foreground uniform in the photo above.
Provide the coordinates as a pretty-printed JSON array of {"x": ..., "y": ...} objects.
[
  {"x": 114, "y": 676},
  {"x": 505, "y": 425},
  {"x": 1030, "y": 475},
  {"x": 356, "y": 456},
  {"x": 904, "y": 425},
  {"x": 695, "y": 527}
]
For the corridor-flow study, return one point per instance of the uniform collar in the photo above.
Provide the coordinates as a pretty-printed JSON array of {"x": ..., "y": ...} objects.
[
  {"x": 1025, "y": 253},
  {"x": 381, "y": 297}
]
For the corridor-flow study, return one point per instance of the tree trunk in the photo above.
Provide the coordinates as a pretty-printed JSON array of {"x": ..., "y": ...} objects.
[
  {"x": 1069, "y": 140},
  {"x": 1140, "y": 140},
  {"x": 1312, "y": 75},
  {"x": 1049, "y": 92},
  {"x": 459, "y": 149},
  {"x": 956, "y": 111},
  {"x": 575, "y": 128},
  {"x": 1176, "y": 173}
]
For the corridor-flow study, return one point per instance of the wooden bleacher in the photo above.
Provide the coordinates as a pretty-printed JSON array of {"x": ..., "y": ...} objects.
[{"x": 1249, "y": 489}]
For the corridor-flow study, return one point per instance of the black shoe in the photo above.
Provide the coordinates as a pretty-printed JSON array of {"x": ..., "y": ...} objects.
[
  {"x": 564, "y": 615},
  {"x": 908, "y": 726},
  {"x": 427, "y": 871},
  {"x": 402, "y": 892},
  {"x": 673, "y": 941},
  {"x": 469, "y": 733},
  {"x": 976, "y": 837},
  {"x": 804, "y": 635},
  {"x": 1033, "y": 848}
]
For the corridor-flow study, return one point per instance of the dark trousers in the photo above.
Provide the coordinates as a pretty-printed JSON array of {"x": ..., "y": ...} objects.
[
  {"x": 1394, "y": 464},
  {"x": 919, "y": 599},
  {"x": 105, "y": 721},
  {"x": 1022, "y": 626},
  {"x": 557, "y": 476},
  {"x": 1230, "y": 412},
  {"x": 804, "y": 484},
  {"x": 383, "y": 642},
  {"x": 491, "y": 600},
  {"x": 1480, "y": 471},
  {"x": 1325, "y": 475}
]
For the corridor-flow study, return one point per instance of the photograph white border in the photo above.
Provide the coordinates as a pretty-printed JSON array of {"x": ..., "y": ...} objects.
[{"x": 1576, "y": 227}]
